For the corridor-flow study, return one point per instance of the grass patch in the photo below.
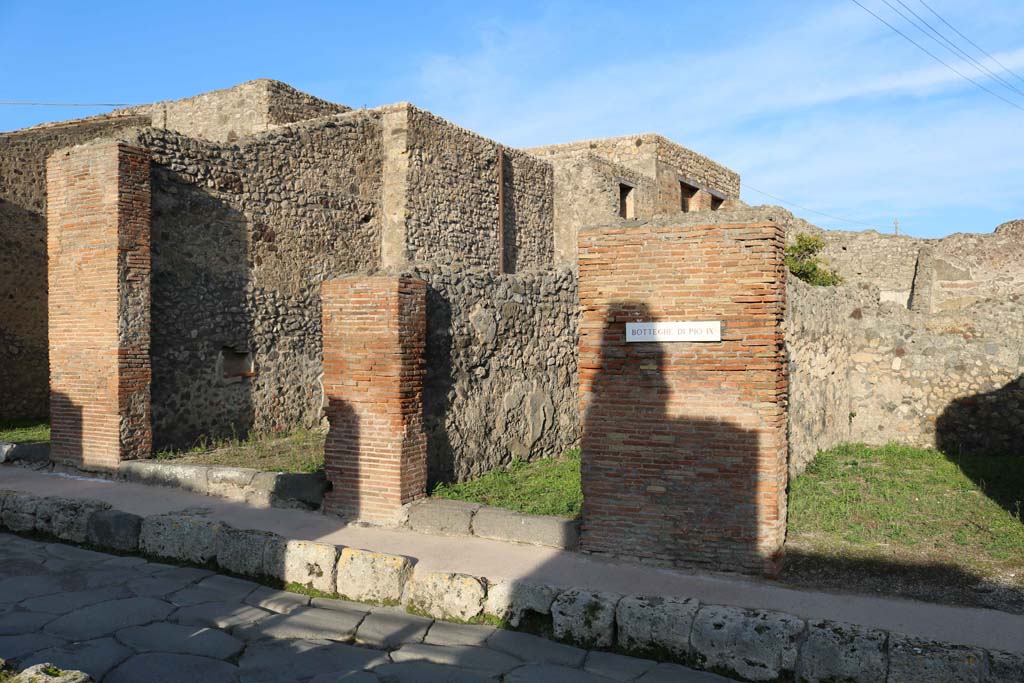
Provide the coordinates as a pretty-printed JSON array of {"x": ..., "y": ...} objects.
[
  {"x": 301, "y": 450},
  {"x": 896, "y": 506},
  {"x": 25, "y": 431},
  {"x": 550, "y": 486}
]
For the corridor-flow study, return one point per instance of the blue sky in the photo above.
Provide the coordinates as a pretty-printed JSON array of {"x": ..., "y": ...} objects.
[{"x": 812, "y": 101}]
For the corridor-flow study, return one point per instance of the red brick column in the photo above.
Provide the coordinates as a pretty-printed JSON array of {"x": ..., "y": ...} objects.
[
  {"x": 684, "y": 443},
  {"x": 374, "y": 336},
  {"x": 98, "y": 221}
]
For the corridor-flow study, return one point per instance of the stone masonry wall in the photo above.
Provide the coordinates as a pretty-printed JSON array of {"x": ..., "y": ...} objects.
[
  {"x": 23, "y": 298},
  {"x": 528, "y": 200},
  {"x": 501, "y": 368},
  {"x": 99, "y": 283},
  {"x": 242, "y": 237},
  {"x": 684, "y": 443}
]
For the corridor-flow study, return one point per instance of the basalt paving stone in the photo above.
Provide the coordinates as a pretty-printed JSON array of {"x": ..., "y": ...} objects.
[
  {"x": 187, "y": 640},
  {"x": 18, "y": 622},
  {"x": 21, "y": 587},
  {"x": 216, "y": 588},
  {"x": 158, "y": 586},
  {"x": 62, "y": 603},
  {"x": 531, "y": 648},
  {"x": 428, "y": 672},
  {"x": 126, "y": 562},
  {"x": 194, "y": 574},
  {"x": 333, "y": 603},
  {"x": 285, "y": 661},
  {"x": 618, "y": 667},
  {"x": 94, "y": 657},
  {"x": 445, "y": 633},
  {"x": 281, "y": 602},
  {"x": 223, "y": 615},
  {"x": 351, "y": 677},
  {"x": 552, "y": 673},
  {"x": 19, "y": 566},
  {"x": 107, "y": 617},
  {"x": 479, "y": 659},
  {"x": 172, "y": 668},
  {"x": 305, "y": 623},
  {"x": 388, "y": 630},
  {"x": 13, "y": 647},
  {"x": 70, "y": 552},
  {"x": 673, "y": 673}
]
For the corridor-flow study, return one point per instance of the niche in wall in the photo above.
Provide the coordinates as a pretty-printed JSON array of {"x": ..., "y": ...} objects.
[
  {"x": 627, "y": 201},
  {"x": 236, "y": 365},
  {"x": 686, "y": 194}
]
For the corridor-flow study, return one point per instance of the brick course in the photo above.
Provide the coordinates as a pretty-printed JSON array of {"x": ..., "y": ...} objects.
[
  {"x": 684, "y": 443},
  {"x": 374, "y": 350},
  {"x": 99, "y": 270}
]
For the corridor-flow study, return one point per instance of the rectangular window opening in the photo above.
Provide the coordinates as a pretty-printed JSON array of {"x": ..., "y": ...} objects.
[
  {"x": 686, "y": 194},
  {"x": 627, "y": 201},
  {"x": 716, "y": 202},
  {"x": 236, "y": 364}
]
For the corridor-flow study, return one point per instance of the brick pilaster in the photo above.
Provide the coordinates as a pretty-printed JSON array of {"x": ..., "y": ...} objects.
[
  {"x": 684, "y": 443},
  {"x": 98, "y": 218},
  {"x": 374, "y": 336}
]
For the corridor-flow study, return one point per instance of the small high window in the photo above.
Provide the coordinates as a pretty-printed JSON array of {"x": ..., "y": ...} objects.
[
  {"x": 716, "y": 202},
  {"x": 236, "y": 364},
  {"x": 686, "y": 194},
  {"x": 627, "y": 201}
]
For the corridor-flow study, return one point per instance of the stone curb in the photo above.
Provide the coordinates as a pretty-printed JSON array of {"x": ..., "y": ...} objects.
[
  {"x": 749, "y": 644},
  {"x": 24, "y": 452},
  {"x": 457, "y": 518}
]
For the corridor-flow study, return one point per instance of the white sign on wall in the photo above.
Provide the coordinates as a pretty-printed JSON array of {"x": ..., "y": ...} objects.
[{"x": 689, "y": 331}]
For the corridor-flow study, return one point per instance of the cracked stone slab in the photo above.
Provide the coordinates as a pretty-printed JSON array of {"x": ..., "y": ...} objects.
[
  {"x": 655, "y": 625},
  {"x": 530, "y": 648},
  {"x": 281, "y": 602},
  {"x": 107, "y": 617},
  {"x": 512, "y": 600},
  {"x": 835, "y": 651},
  {"x": 444, "y": 517},
  {"x": 186, "y": 640},
  {"x": 219, "y": 615},
  {"x": 172, "y": 668},
  {"x": 70, "y": 552},
  {"x": 506, "y": 525},
  {"x": 94, "y": 657},
  {"x": 180, "y": 537},
  {"x": 288, "y": 661},
  {"x": 387, "y": 630},
  {"x": 13, "y": 647},
  {"x": 756, "y": 645},
  {"x": 444, "y": 595},
  {"x": 428, "y": 672},
  {"x": 447, "y": 633},
  {"x": 241, "y": 550},
  {"x": 310, "y": 564},
  {"x": 916, "y": 660},
  {"x": 114, "y": 529},
  {"x": 617, "y": 667},
  {"x": 21, "y": 587},
  {"x": 307, "y": 623},
  {"x": 158, "y": 586},
  {"x": 373, "y": 577},
  {"x": 216, "y": 588},
  {"x": 15, "y": 623},
  {"x": 479, "y": 659}
]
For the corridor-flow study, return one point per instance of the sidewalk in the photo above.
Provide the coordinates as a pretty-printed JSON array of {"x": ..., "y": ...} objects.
[{"x": 498, "y": 560}]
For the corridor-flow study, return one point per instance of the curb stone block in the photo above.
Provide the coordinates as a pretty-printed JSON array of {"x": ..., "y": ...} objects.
[
  {"x": 512, "y": 600},
  {"x": 310, "y": 564},
  {"x": 66, "y": 518},
  {"x": 439, "y": 516},
  {"x": 836, "y": 652},
  {"x": 229, "y": 482},
  {"x": 442, "y": 595},
  {"x": 188, "y": 477},
  {"x": 755, "y": 645},
  {"x": 298, "y": 490},
  {"x": 19, "y": 513},
  {"x": 506, "y": 525},
  {"x": 655, "y": 626},
  {"x": 40, "y": 673},
  {"x": 584, "y": 618},
  {"x": 180, "y": 537},
  {"x": 1005, "y": 667},
  {"x": 260, "y": 492},
  {"x": 916, "y": 660},
  {"x": 273, "y": 556},
  {"x": 241, "y": 550},
  {"x": 114, "y": 529},
  {"x": 372, "y": 577}
]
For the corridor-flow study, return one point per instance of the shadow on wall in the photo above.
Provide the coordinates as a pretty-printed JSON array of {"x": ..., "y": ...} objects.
[
  {"x": 437, "y": 388},
  {"x": 66, "y": 443},
  {"x": 974, "y": 430},
  {"x": 676, "y": 490},
  {"x": 341, "y": 460},
  {"x": 203, "y": 345}
]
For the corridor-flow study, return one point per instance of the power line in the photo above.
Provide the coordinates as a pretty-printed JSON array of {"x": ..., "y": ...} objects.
[
  {"x": 937, "y": 59},
  {"x": 64, "y": 104},
  {"x": 820, "y": 213},
  {"x": 952, "y": 47},
  {"x": 978, "y": 47}
]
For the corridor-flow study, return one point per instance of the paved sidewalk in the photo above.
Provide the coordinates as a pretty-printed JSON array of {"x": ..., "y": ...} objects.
[
  {"x": 498, "y": 560},
  {"x": 126, "y": 620}
]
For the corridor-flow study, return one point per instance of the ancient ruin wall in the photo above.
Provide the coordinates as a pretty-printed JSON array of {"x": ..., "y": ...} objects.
[
  {"x": 242, "y": 237},
  {"x": 501, "y": 368},
  {"x": 528, "y": 217},
  {"x": 23, "y": 288}
]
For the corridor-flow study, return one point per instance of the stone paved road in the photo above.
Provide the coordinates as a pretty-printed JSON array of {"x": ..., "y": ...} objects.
[{"x": 126, "y": 620}]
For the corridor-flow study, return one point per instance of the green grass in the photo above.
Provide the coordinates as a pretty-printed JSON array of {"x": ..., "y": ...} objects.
[
  {"x": 25, "y": 431},
  {"x": 301, "y": 450},
  {"x": 550, "y": 486},
  {"x": 912, "y": 506}
]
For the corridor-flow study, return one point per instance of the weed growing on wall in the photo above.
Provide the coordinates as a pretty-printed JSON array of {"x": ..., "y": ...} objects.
[{"x": 802, "y": 260}]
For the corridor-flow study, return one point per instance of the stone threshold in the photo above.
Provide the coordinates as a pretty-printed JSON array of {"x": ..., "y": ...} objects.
[{"x": 750, "y": 644}]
